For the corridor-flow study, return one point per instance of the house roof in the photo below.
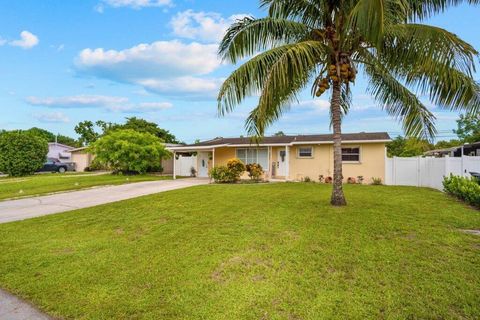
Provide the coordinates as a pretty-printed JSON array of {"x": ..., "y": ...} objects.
[
  {"x": 60, "y": 145},
  {"x": 290, "y": 140}
]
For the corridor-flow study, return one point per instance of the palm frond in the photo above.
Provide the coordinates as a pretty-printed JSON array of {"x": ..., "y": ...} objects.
[
  {"x": 309, "y": 12},
  {"x": 290, "y": 73},
  {"x": 421, "y": 9},
  {"x": 397, "y": 100},
  {"x": 248, "y": 36},
  {"x": 406, "y": 45}
]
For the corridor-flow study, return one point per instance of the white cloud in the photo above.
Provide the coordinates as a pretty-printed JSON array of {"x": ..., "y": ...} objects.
[
  {"x": 2, "y": 41},
  {"x": 134, "y": 4},
  {"x": 51, "y": 117},
  {"x": 187, "y": 86},
  {"x": 317, "y": 105},
  {"x": 141, "y": 107},
  {"x": 207, "y": 26},
  {"x": 27, "y": 40},
  {"x": 78, "y": 101},
  {"x": 110, "y": 103},
  {"x": 158, "y": 59},
  {"x": 168, "y": 67}
]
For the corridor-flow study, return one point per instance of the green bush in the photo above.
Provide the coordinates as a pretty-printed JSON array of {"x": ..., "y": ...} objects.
[
  {"x": 254, "y": 170},
  {"x": 376, "y": 181},
  {"x": 229, "y": 173},
  {"x": 465, "y": 189},
  {"x": 129, "y": 151},
  {"x": 21, "y": 153}
]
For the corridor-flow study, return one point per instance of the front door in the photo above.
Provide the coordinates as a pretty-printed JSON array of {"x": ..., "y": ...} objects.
[
  {"x": 203, "y": 164},
  {"x": 281, "y": 163}
]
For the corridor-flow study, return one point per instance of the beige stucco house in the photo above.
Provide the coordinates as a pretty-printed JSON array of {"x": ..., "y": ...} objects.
[{"x": 296, "y": 157}]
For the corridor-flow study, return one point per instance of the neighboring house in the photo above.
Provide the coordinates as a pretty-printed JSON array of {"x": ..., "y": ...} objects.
[
  {"x": 83, "y": 159},
  {"x": 468, "y": 149},
  {"x": 296, "y": 157},
  {"x": 59, "y": 151}
]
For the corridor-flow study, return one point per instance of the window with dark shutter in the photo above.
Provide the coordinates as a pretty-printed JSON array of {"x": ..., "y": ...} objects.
[{"x": 351, "y": 154}]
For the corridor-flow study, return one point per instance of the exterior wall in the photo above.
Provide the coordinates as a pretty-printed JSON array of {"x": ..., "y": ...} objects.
[
  {"x": 371, "y": 164},
  {"x": 82, "y": 160},
  {"x": 167, "y": 165},
  {"x": 55, "y": 150}
]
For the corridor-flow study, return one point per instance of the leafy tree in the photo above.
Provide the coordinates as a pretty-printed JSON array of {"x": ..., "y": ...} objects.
[
  {"x": 88, "y": 134},
  {"x": 442, "y": 144},
  {"x": 128, "y": 150},
  {"x": 21, "y": 153},
  {"x": 408, "y": 147},
  {"x": 326, "y": 43},
  {"x": 279, "y": 134},
  {"x": 142, "y": 125},
  {"x": 468, "y": 128},
  {"x": 50, "y": 137},
  {"x": 86, "y": 131}
]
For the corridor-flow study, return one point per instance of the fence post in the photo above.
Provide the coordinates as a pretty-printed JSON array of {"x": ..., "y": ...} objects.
[
  {"x": 419, "y": 178},
  {"x": 394, "y": 170}
]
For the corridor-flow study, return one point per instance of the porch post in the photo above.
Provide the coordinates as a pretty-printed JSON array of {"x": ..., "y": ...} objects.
[
  {"x": 174, "y": 167},
  {"x": 287, "y": 162},
  {"x": 213, "y": 157}
]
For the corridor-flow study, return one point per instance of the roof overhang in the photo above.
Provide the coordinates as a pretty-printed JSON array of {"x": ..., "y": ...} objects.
[{"x": 250, "y": 145}]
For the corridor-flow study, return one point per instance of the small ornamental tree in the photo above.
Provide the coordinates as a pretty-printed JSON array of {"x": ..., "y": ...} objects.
[
  {"x": 129, "y": 151},
  {"x": 21, "y": 153}
]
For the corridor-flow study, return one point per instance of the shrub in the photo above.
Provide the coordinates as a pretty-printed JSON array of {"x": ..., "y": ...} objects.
[
  {"x": 465, "y": 189},
  {"x": 221, "y": 174},
  {"x": 307, "y": 179},
  {"x": 229, "y": 173},
  {"x": 129, "y": 151},
  {"x": 359, "y": 179},
  {"x": 328, "y": 180},
  {"x": 236, "y": 166},
  {"x": 21, "y": 153},
  {"x": 254, "y": 170},
  {"x": 376, "y": 181},
  {"x": 321, "y": 178},
  {"x": 193, "y": 172}
]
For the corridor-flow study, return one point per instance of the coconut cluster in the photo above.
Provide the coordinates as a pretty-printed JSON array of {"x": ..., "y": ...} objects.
[{"x": 346, "y": 74}]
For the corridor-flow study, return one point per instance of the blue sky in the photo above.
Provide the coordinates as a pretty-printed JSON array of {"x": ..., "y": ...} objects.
[{"x": 62, "y": 62}]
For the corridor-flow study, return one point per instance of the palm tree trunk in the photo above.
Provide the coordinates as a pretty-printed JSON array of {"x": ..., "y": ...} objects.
[{"x": 338, "y": 198}]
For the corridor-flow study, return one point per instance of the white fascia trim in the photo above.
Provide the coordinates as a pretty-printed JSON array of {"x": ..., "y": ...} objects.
[
  {"x": 253, "y": 145},
  {"x": 343, "y": 142},
  {"x": 192, "y": 148}
]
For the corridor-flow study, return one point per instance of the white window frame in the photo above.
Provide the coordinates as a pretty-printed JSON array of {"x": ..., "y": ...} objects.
[
  {"x": 359, "y": 154},
  {"x": 256, "y": 155},
  {"x": 305, "y": 147}
]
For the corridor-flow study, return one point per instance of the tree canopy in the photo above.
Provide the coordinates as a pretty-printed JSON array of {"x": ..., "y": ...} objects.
[
  {"x": 88, "y": 131},
  {"x": 127, "y": 150}
]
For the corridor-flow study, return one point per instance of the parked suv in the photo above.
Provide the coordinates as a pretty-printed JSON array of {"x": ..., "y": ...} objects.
[{"x": 54, "y": 165}]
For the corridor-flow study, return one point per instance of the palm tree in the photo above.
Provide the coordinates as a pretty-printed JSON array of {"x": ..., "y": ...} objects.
[{"x": 325, "y": 43}]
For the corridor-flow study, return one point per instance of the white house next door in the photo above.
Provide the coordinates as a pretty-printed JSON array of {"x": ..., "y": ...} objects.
[
  {"x": 281, "y": 163},
  {"x": 203, "y": 164}
]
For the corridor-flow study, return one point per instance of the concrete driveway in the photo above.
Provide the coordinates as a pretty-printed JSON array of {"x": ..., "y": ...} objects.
[{"x": 14, "y": 210}]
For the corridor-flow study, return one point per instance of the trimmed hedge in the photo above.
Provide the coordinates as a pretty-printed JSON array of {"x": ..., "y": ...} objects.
[
  {"x": 465, "y": 189},
  {"x": 21, "y": 153}
]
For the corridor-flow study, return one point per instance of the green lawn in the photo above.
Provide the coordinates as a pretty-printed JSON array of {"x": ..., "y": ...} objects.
[
  {"x": 270, "y": 251},
  {"x": 54, "y": 182}
]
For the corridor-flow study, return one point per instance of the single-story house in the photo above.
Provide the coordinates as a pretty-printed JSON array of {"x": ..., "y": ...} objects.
[
  {"x": 468, "y": 149},
  {"x": 59, "y": 151},
  {"x": 83, "y": 159},
  {"x": 296, "y": 157}
]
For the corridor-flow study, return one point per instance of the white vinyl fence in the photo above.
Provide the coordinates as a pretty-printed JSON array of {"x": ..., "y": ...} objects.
[
  {"x": 184, "y": 164},
  {"x": 427, "y": 172}
]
